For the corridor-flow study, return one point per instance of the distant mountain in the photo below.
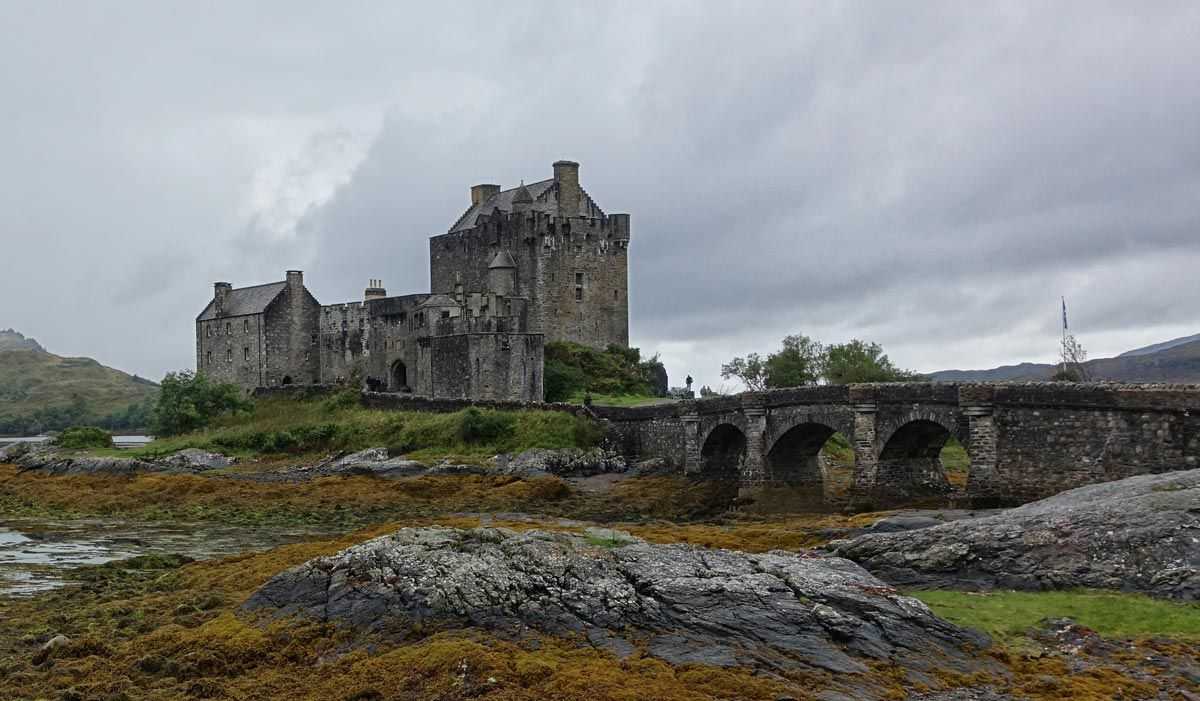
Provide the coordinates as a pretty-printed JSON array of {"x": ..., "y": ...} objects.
[
  {"x": 40, "y": 390},
  {"x": 1170, "y": 361},
  {"x": 1165, "y": 345}
]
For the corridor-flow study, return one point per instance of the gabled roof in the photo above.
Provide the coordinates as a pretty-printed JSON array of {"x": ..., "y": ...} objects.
[
  {"x": 545, "y": 199},
  {"x": 245, "y": 300}
]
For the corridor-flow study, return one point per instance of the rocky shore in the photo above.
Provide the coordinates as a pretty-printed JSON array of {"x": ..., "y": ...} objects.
[{"x": 1137, "y": 534}]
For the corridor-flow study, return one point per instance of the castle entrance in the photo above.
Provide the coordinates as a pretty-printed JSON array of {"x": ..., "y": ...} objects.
[{"x": 399, "y": 377}]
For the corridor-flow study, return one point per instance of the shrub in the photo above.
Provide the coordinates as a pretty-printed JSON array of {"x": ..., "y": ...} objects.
[
  {"x": 571, "y": 368},
  {"x": 475, "y": 426},
  {"x": 188, "y": 401},
  {"x": 77, "y": 437}
]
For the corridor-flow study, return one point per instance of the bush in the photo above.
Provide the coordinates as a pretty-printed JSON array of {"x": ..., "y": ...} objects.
[
  {"x": 571, "y": 368},
  {"x": 475, "y": 426},
  {"x": 78, "y": 437}
]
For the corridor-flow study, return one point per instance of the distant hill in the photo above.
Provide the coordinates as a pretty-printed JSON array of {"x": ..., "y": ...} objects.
[
  {"x": 1170, "y": 361},
  {"x": 42, "y": 391},
  {"x": 1165, "y": 345}
]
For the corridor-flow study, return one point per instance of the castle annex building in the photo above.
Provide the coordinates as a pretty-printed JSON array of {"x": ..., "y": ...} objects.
[{"x": 522, "y": 266}]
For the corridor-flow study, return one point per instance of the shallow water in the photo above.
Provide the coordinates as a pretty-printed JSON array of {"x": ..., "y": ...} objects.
[{"x": 35, "y": 554}]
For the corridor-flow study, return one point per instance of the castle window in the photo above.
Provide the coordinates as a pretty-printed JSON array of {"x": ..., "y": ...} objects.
[
  {"x": 229, "y": 355},
  {"x": 445, "y": 314},
  {"x": 208, "y": 331},
  {"x": 228, "y": 329},
  {"x": 360, "y": 324},
  {"x": 245, "y": 326},
  {"x": 614, "y": 294},
  {"x": 246, "y": 353},
  {"x": 208, "y": 359},
  {"x": 578, "y": 278},
  {"x": 313, "y": 341},
  {"x": 578, "y": 294}
]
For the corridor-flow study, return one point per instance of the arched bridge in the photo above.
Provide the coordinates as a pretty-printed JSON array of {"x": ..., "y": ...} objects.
[{"x": 1024, "y": 441}]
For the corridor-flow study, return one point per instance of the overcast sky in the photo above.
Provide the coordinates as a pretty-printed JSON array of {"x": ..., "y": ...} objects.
[{"x": 929, "y": 176}]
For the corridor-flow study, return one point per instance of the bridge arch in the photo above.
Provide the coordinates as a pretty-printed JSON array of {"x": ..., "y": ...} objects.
[
  {"x": 794, "y": 463},
  {"x": 910, "y": 463},
  {"x": 723, "y": 453}
]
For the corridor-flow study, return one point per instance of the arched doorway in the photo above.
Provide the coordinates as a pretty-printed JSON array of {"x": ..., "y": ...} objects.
[
  {"x": 910, "y": 464},
  {"x": 797, "y": 467},
  {"x": 399, "y": 377},
  {"x": 287, "y": 380}
]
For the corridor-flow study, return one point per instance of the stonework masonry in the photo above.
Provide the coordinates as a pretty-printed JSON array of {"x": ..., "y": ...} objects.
[{"x": 519, "y": 267}]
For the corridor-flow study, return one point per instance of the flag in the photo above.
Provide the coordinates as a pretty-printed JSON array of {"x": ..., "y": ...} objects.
[{"x": 1064, "y": 301}]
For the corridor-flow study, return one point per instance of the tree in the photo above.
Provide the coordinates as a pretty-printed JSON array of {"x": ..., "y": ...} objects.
[
  {"x": 858, "y": 361},
  {"x": 797, "y": 363},
  {"x": 1072, "y": 356},
  {"x": 751, "y": 370},
  {"x": 188, "y": 401}
]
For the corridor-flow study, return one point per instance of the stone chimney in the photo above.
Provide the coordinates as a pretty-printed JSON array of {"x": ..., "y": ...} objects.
[
  {"x": 375, "y": 290},
  {"x": 221, "y": 292},
  {"x": 295, "y": 280},
  {"x": 483, "y": 193},
  {"x": 566, "y": 175}
]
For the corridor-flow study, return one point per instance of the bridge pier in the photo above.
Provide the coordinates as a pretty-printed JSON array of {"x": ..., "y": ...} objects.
[
  {"x": 753, "y": 478},
  {"x": 866, "y": 459},
  {"x": 983, "y": 481},
  {"x": 691, "y": 442}
]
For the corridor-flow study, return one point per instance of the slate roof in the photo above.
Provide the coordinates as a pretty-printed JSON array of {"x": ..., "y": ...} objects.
[
  {"x": 502, "y": 260},
  {"x": 245, "y": 300},
  {"x": 545, "y": 199},
  {"x": 438, "y": 300}
]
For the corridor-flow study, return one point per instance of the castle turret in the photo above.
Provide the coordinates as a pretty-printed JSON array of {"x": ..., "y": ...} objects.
[
  {"x": 522, "y": 200},
  {"x": 566, "y": 176},
  {"x": 502, "y": 274},
  {"x": 374, "y": 290}
]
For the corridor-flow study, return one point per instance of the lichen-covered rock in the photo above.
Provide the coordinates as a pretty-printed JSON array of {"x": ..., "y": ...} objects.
[
  {"x": 196, "y": 460},
  {"x": 1136, "y": 534},
  {"x": 563, "y": 462},
  {"x": 684, "y": 604},
  {"x": 52, "y": 461}
]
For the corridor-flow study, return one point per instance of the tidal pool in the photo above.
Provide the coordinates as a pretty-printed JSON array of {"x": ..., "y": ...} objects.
[{"x": 34, "y": 554}]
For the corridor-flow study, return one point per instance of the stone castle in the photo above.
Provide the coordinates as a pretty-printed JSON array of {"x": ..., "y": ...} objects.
[{"x": 536, "y": 263}]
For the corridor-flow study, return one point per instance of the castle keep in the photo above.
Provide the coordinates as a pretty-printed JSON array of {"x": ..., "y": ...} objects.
[{"x": 539, "y": 262}]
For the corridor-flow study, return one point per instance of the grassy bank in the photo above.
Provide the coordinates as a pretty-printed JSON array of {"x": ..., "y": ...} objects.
[
  {"x": 1009, "y": 614},
  {"x": 338, "y": 423}
]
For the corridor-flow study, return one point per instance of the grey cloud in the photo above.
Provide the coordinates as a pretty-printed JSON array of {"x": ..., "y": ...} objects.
[{"x": 932, "y": 179}]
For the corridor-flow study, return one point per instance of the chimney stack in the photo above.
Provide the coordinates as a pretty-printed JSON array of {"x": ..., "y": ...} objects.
[
  {"x": 566, "y": 174},
  {"x": 221, "y": 292},
  {"x": 482, "y": 193},
  {"x": 375, "y": 290}
]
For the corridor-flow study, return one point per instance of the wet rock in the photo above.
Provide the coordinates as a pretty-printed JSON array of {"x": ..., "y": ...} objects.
[
  {"x": 12, "y": 451},
  {"x": 684, "y": 604},
  {"x": 1137, "y": 534},
  {"x": 896, "y": 524},
  {"x": 374, "y": 461},
  {"x": 565, "y": 462},
  {"x": 46, "y": 651},
  {"x": 196, "y": 460}
]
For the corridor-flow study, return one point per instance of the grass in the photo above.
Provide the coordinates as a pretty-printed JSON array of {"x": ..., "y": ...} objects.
[
  {"x": 1008, "y": 614},
  {"x": 35, "y": 380},
  {"x": 306, "y": 427}
]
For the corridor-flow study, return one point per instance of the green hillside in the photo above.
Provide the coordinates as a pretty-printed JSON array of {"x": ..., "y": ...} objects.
[{"x": 41, "y": 391}]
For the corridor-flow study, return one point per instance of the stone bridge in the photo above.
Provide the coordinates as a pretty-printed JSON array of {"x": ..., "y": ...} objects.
[{"x": 1024, "y": 441}]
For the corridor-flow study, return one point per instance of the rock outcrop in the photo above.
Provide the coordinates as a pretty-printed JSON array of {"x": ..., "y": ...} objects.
[
  {"x": 564, "y": 462},
  {"x": 1136, "y": 534},
  {"x": 684, "y": 604},
  {"x": 53, "y": 461}
]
